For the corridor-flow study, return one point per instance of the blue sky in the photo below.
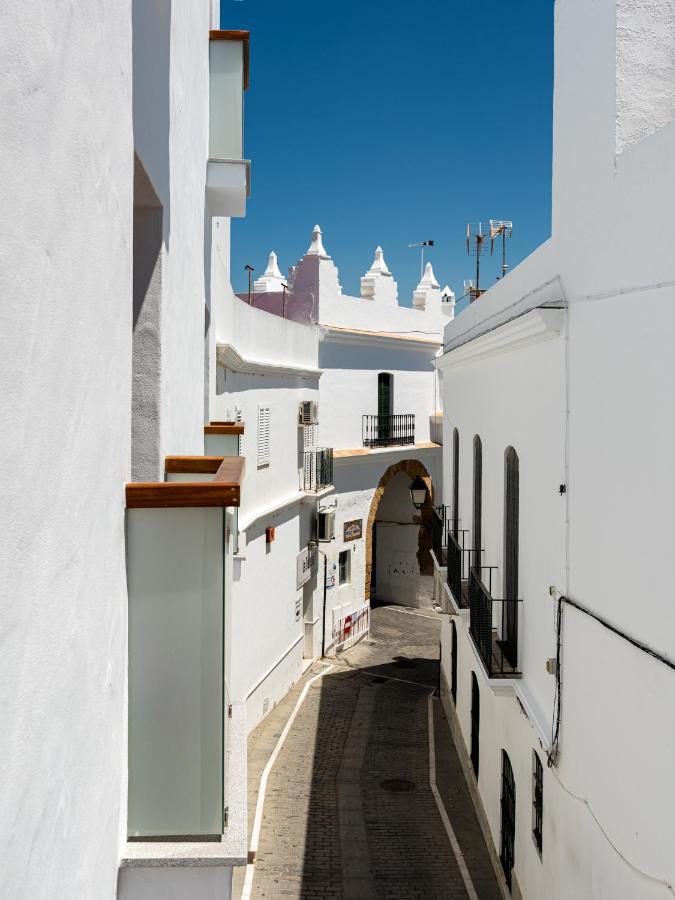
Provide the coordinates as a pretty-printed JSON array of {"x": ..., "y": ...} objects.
[{"x": 389, "y": 123}]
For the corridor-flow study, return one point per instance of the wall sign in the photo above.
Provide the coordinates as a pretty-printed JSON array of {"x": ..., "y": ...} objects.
[
  {"x": 331, "y": 577},
  {"x": 307, "y": 564},
  {"x": 298, "y": 609},
  {"x": 353, "y": 530}
]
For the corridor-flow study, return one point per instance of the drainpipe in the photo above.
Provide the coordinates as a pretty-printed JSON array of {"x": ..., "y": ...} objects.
[{"x": 323, "y": 619}]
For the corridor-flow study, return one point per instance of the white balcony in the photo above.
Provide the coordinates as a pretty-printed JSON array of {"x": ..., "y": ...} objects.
[{"x": 228, "y": 173}]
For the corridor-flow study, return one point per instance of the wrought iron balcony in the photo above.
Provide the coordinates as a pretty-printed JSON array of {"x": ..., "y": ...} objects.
[
  {"x": 439, "y": 534},
  {"x": 389, "y": 431},
  {"x": 494, "y": 628},
  {"x": 317, "y": 469},
  {"x": 459, "y": 559}
]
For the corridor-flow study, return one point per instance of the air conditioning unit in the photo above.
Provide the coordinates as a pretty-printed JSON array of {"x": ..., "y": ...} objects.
[
  {"x": 326, "y": 529},
  {"x": 308, "y": 414}
]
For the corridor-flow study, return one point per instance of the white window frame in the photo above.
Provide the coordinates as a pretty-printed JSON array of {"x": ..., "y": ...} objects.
[{"x": 348, "y": 567}]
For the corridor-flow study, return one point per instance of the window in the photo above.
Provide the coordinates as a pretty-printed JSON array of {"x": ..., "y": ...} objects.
[
  {"x": 508, "y": 803},
  {"x": 511, "y": 525},
  {"x": 453, "y": 663},
  {"x": 455, "y": 483},
  {"x": 345, "y": 566},
  {"x": 263, "y": 435},
  {"x": 475, "y": 723},
  {"x": 477, "y": 501},
  {"x": 537, "y": 799}
]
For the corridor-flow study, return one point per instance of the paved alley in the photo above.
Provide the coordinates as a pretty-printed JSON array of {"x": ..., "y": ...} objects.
[{"x": 349, "y": 813}]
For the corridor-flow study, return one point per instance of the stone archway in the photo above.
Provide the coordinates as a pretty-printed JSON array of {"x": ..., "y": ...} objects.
[{"x": 411, "y": 467}]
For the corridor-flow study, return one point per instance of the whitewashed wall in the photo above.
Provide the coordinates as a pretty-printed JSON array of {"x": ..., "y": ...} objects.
[
  {"x": 348, "y": 386},
  {"x": 609, "y": 260},
  {"x": 66, "y": 283}
]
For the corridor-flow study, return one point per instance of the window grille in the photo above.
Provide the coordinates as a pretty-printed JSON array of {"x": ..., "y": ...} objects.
[
  {"x": 511, "y": 527},
  {"x": 453, "y": 669},
  {"x": 475, "y": 723},
  {"x": 264, "y": 455},
  {"x": 508, "y": 804},
  {"x": 455, "y": 482},
  {"x": 537, "y": 800}
]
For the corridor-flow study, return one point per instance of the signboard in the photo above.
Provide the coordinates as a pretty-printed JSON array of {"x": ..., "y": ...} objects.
[
  {"x": 331, "y": 577},
  {"x": 353, "y": 530},
  {"x": 298, "y": 610},
  {"x": 307, "y": 563},
  {"x": 350, "y": 628}
]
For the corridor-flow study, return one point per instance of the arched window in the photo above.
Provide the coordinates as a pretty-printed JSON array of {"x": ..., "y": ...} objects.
[
  {"x": 477, "y": 501},
  {"x": 511, "y": 525},
  {"x": 475, "y": 723},
  {"x": 455, "y": 483},
  {"x": 453, "y": 662},
  {"x": 508, "y": 803}
]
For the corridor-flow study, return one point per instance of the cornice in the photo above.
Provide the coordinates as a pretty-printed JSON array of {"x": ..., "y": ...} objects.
[
  {"x": 229, "y": 358},
  {"x": 531, "y": 328},
  {"x": 337, "y": 334}
]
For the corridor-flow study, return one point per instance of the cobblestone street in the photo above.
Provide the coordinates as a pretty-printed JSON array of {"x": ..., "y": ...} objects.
[{"x": 349, "y": 812}]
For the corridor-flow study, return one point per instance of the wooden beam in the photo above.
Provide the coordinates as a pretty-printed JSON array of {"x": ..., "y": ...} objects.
[
  {"x": 224, "y": 490},
  {"x": 192, "y": 464},
  {"x": 224, "y": 428}
]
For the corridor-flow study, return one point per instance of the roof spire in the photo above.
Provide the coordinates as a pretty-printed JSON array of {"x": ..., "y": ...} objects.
[
  {"x": 379, "y": 266},
  {"x": 272, "y": 270},
  {"x": 316, "y": 247},
  {"x": 428, "y": 279}
]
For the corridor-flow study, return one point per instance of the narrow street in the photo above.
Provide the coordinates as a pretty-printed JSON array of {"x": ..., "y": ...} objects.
[{"x": 349, "y": 813}]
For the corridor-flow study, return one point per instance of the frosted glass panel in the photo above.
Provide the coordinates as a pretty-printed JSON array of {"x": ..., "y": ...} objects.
[
  {"x": 226, "y": 100},
  {"x": 175, "y": 576}
]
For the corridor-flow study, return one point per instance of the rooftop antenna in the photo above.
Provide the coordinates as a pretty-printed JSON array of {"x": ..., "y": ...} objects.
[
  {"x": 422, "y": 245},
  {"x": 506, "y": 230},
  {"x": 474, "y": 247}
]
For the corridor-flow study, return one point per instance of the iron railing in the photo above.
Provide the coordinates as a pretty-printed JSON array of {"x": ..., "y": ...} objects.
[
  {"x": 493, "y": 628},
  {"x": 388, "y": 431},
  {"x": 439, "y": 534},
  {"x": 317, "y": 469},
  {"x": 459, "y": 559}
]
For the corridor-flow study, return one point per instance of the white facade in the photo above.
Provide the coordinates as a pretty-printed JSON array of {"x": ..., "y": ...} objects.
[
  {"x": 360, "y": 339},
  {"x": 569, "y": 361}
]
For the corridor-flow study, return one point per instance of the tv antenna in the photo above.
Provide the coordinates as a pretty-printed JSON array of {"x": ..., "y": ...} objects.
[
  {"x": 475, "y": 239},
  {"x": 506, "y": 230},
  {"x": 422, "y": 245}
]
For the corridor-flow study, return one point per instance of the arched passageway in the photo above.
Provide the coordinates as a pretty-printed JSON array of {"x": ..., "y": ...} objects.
[{"x": 399, "y": 567}]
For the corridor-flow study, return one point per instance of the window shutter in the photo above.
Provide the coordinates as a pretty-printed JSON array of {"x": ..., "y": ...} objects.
[
  {"x": 264, "y": 436},
  {"x": 309, "y": 437}
]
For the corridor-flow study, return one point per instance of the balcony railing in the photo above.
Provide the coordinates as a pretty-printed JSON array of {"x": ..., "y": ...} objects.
[
  {"x": 389, "y": 431},
  {"x": 494, "y": 629},
  {"x": 317, "y": 469},
  {"x": 439, "y": 534},
  {"x": 459, "y": 561}
]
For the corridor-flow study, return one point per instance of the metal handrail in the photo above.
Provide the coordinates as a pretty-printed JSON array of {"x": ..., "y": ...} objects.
[
  {"x": 317, "y": 469},
  {"x": 493, "y": 627},
  {"x": 388, "y": 431}
]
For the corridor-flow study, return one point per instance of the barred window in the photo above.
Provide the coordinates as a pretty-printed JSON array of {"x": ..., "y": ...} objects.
[{"x": 537, "y": 799}]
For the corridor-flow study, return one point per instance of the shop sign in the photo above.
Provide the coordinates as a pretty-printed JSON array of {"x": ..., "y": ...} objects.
[
  {"x": 307, "y": 562},
  {"x": 353, "y": 530}
]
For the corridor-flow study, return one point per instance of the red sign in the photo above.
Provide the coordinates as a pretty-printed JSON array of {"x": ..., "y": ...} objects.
[{"x": 348, "y": 625}]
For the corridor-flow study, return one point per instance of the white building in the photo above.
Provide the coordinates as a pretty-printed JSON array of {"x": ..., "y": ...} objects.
[
  {"x": 122, "y": 152},
  {"x": 558, "y": 434},
  {"x": 378, "y": 407}
]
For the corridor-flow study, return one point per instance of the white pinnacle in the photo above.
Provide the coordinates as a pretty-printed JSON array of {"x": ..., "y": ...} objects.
[
  {"x": 379, "y": 265},
  {"x": 316, "y": 248},
  {"x": 272, "y": 270},
  {"x": 428, "y": 279},
  {"x": 447, "y": 294}
]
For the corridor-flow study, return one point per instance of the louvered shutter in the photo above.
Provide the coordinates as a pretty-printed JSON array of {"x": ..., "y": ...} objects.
[{"x": 264, "y": 455}]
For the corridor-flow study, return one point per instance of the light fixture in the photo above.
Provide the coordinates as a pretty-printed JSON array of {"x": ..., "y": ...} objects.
[{"x": 418, "y": 492}]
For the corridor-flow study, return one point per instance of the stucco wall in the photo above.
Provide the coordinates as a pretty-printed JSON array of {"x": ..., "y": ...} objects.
[{"x": 66, "y": 283}]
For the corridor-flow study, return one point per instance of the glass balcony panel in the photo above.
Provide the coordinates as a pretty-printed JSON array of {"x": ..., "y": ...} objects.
[
  {"x": 226, "y": 99},
  {"x": 175, "y": 561}
]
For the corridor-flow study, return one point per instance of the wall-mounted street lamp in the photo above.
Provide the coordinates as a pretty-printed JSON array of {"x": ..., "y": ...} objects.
[{"x": 418, "y": 492}]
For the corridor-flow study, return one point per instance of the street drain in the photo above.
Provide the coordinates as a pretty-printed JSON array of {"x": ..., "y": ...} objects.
[
  {"x": 397, "y": 785},
  {"x": 403, "y": 663}
]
